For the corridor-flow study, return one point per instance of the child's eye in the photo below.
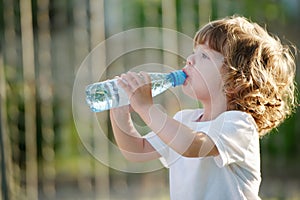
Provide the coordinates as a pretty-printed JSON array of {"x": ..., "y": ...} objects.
[{"x": 204, "y": 56}]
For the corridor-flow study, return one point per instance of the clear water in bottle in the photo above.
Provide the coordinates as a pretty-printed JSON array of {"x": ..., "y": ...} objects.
[{"x": 107, "y": 94}]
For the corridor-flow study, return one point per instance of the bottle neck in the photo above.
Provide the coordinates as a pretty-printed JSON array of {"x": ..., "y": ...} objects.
[{"x": 177, "y": 77}]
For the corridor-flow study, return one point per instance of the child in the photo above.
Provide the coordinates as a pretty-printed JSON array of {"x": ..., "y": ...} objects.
[{"x": 244, "y": 79}]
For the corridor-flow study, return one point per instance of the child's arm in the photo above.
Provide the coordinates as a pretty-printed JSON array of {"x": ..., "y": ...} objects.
[
  {"x": 130, "y": 142},
  {"x": 179, "y": 137}
]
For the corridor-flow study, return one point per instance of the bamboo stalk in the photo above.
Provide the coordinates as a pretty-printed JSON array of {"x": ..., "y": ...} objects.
[
  {"x": 29, "y": 99},
  {"x": 82, "y": 39},
  {"x": 97, "y": 35},
  {"x": 205, "y": 10},
  {"x": 169, "y": 15},
  {"x": 45, "y": 92},
  {"x": 187, "y": 18},
  {"x": 5, "y": 147},
  {"x": 9, "y": 59}
]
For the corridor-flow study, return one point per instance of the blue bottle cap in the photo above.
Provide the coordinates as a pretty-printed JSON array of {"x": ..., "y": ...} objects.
[{"x": 178, "y": 77}]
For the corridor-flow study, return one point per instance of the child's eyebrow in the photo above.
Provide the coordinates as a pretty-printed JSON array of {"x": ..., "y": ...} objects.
[{"x": 204, "y": 50}]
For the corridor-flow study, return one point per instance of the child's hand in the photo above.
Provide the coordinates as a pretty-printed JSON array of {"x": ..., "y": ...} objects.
[
  {"x": 122, "y": 110},
  {"x": 138, "y": 88}
]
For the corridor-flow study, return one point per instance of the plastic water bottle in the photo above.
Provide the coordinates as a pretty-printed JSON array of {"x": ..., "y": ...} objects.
[{"x": 107, "y": 94}]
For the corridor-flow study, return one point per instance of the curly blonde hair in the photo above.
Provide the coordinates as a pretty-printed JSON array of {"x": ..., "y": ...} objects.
[{"x": 258, "y": 71}]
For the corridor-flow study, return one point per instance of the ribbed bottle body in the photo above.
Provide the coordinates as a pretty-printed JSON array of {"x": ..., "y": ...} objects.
[{"x": 107, "y": 94}]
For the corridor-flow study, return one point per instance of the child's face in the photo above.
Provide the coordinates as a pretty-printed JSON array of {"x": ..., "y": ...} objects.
[{"x": 204, "y": 80}]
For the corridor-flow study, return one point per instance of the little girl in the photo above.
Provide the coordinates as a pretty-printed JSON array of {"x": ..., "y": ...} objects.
[{"x": 244, "y": 79}]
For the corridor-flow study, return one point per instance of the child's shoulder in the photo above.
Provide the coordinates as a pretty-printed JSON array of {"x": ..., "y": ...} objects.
[
  {"x": 235, "y": 114},
  {"x": 232, "y": 115},
  {"x": 236, "y": 118}
]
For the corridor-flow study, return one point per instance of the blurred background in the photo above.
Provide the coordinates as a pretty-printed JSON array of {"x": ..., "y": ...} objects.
[{"x": 44, "y": 42}]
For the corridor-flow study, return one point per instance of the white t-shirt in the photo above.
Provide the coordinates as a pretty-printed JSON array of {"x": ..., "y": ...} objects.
[{"x": 233, "y": 174}]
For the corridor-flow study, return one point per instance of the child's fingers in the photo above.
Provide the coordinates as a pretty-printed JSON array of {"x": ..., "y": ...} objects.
[
  {"x": 129, "y": 78},
  {"x": 122, "y": 82},
  {"x": 146, "y": 77},
  {"x": 128, "y": 83},
  {"x": 133, "y": 79},
  {"x": 139, "y": 79}
]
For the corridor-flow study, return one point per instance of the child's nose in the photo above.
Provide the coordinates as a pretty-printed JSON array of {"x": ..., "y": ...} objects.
[{"x": 189, "y": 61}]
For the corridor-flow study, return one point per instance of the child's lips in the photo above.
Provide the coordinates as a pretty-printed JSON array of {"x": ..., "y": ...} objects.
[
  {"x": 185, "y": 72},
  {"x": 185, "y": 82}
]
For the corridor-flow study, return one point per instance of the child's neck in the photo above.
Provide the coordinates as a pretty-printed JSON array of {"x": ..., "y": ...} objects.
[
  {"x": 208, "y": 117},
  {"x": 212, "y": 110}
]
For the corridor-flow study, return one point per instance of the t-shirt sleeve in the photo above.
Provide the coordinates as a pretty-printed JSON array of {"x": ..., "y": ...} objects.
[
  {"x": 232, "y": 133},
  {"x": 168, "y": 155},
  {"x": 160, "y": 147}
]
